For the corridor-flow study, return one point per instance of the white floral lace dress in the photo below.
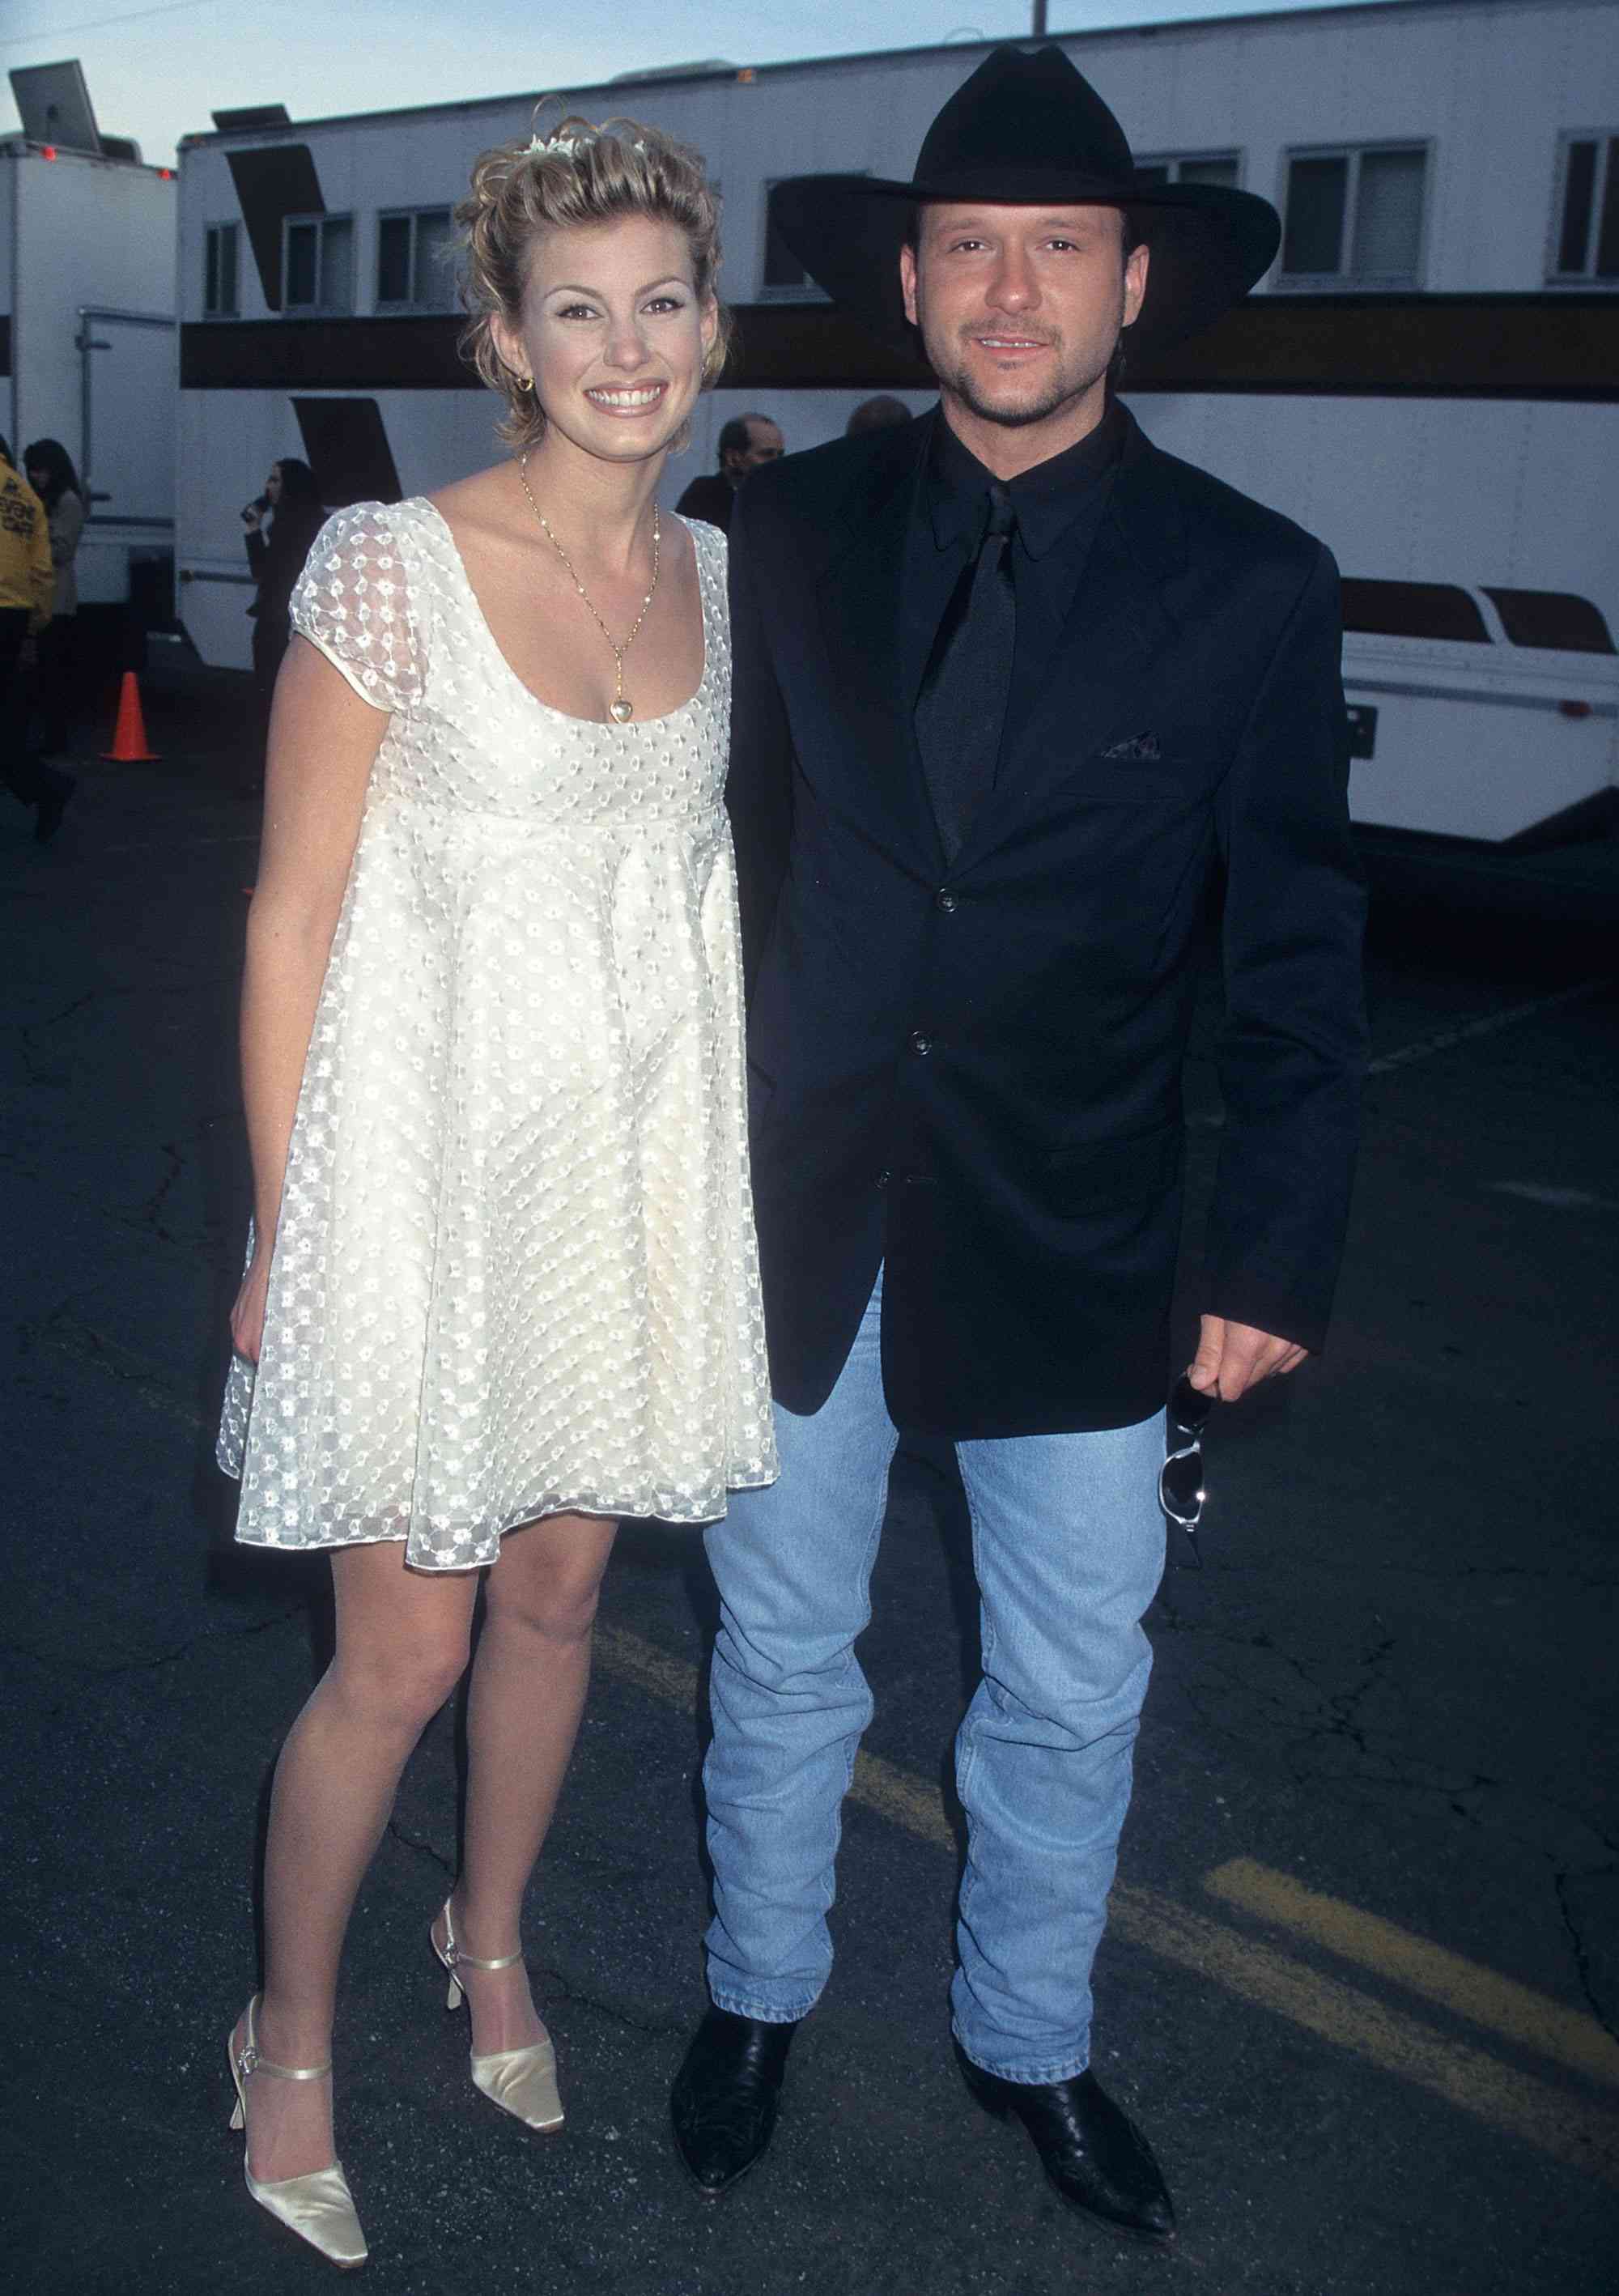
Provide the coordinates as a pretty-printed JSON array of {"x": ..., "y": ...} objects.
[{"x": 515, "y": 1269}]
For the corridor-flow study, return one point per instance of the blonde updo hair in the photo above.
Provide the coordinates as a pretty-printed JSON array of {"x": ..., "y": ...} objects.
[{"x": 582, "y": 173}]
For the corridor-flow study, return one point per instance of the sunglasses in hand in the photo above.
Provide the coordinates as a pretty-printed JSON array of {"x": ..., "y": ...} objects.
[{"x": 1180, "y": 1492}]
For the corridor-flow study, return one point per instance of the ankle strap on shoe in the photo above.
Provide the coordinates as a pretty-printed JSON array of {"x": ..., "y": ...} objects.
[
  {"x": 455, "y": 1956},
  {"x": 249, "y": 2060}
]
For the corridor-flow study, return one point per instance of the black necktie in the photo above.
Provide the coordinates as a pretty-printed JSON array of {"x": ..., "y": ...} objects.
[{"x": 961, "y": 708}]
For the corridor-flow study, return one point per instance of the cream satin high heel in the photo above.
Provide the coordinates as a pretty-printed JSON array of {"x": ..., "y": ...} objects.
[
  {"x": 319, "y": 2207},
  {"x": 523, "y": 2082}
]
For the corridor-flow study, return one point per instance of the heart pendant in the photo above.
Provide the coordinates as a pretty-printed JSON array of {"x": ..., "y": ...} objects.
[{"x": 620, "y": 712}]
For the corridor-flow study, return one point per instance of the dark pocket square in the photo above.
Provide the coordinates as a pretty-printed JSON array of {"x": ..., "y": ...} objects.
[{"x": 1138, "y": 749}]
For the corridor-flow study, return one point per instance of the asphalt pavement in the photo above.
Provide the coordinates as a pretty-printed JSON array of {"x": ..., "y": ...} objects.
[{"x": 1362, "y": 1982}]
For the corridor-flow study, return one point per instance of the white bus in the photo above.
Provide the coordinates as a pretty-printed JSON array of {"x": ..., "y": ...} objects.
[
  {"x": 1429, "y": 379},
  {"x": 87, "y": 330}
]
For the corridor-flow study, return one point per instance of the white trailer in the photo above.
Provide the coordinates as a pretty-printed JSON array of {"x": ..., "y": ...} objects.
[
  {"x": 1429, "y": 379},
  {"x": 87, "y": 334}
]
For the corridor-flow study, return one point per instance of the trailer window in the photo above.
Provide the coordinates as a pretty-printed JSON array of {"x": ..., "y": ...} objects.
[
  {"x": 219, "y": 271},
  {"x": 413, "y": 260},
  {"x": 317, "y": 266},
  {"x": 1223, "y": 167},
  {"x": 1586, "y": 224},
  {"x": 1551, "y": 617},
  {"x": 1412, "y": 609},
  {"x": 1355, "y": 215}
]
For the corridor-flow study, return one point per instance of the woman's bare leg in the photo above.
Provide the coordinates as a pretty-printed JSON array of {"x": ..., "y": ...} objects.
[
  {"x": 401, "y": 1639},
  {"x": 528, "y": 1691}
]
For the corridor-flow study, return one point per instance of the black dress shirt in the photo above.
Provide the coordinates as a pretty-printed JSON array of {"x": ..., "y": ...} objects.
[{"x": 1060, "y": 504}]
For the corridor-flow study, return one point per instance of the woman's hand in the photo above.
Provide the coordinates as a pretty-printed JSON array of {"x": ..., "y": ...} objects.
[{"x": 248, "y": 1315}]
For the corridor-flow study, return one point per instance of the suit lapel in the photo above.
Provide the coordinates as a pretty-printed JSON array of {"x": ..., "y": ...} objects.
[
  {"x": 869, "y": 649},
  {"x": 1098, "y": 675}
]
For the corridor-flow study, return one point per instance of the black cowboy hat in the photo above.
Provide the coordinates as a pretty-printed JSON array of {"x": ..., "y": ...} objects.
[{"x": 1030, "y": 130}]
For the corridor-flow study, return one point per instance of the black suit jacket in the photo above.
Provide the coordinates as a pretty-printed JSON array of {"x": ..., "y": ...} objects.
[
  {"x": 710, "y": 496},
  {"x": 971, "y": 1072}
]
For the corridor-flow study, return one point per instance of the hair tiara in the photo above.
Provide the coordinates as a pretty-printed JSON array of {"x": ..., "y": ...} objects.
[{"x": 566, "y": 146}]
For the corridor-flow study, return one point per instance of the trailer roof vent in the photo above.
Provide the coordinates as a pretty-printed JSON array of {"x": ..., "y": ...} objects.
[
  {"x": 252, "y": 115},
  {"x": 701, "y": 69},
  {"x": 54, "y": 106},
  {"x": 121, "y": 147}
]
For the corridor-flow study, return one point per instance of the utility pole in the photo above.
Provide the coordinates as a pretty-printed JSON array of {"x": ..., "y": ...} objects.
[{"x": 1038, "y": 26}]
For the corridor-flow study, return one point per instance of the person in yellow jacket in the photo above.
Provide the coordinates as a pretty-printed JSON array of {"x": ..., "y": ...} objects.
[{"x": 27, "y": 581}]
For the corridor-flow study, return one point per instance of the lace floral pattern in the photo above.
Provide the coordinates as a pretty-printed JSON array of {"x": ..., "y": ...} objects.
[{"x": 515, "y": 1269}]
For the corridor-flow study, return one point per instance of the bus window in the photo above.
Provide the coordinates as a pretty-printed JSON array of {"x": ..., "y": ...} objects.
[
  {"x": 1551, "y": 617},
  {"x": 1412, "y": 609}
]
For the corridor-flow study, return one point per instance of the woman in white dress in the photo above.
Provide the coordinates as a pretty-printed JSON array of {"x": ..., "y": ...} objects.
[{"x": 503, "y": 1287}]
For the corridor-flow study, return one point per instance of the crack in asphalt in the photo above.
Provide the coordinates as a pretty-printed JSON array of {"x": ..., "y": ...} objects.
[
  {"x": 1340, "y": 1721},
  {"x": 555, "y": 1983},
  {"x": 27, "y": 1030},
  {"x": 422, "y": 1849},
  {"x": 146, "y": 1215},
  {"x": 1576, "y": 1941},
  {"x": 564, "y": 1989},
  {"x": 42, "y": 1656},
  {"x": 61, "y": 1331}
]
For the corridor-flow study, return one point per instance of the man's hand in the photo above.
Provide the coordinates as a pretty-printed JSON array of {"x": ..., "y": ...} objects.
[{"x": 1232, "y": 1358}]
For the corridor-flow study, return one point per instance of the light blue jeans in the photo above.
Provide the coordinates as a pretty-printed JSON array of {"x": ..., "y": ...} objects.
[{"x": 1068, "y": 1549}]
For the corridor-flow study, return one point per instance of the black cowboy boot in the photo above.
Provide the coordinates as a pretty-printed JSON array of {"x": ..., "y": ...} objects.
[
  {"x": 726, "y": 2095},
  {"x": 1091, "y": 2150}
]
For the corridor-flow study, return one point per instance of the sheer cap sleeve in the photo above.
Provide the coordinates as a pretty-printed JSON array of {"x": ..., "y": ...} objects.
[{"x": 353, "y": 600}]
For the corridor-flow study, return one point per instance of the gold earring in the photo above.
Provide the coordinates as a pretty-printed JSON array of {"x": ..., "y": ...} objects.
[{"x": 524, "y": 381}]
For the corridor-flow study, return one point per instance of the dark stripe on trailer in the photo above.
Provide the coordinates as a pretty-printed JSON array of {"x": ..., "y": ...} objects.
[
  {"x": 1537, "y": 347},
  {"x": 346, "y": 444},
  {"x": 5, "y": 345},
  {"x": 1520, "y": 346},
  {"x": 322, "y": 355},
  {"x": 273, "y": 182}
]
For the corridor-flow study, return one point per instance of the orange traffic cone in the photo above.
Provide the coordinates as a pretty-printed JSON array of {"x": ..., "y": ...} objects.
[{"x": 129, "y": 733}]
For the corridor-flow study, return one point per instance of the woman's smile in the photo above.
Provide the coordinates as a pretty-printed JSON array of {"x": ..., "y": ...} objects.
[{"x": 627, "y": 398}]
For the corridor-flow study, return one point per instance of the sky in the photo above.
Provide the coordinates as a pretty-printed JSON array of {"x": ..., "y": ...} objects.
[{"x": 157, "y": 72}]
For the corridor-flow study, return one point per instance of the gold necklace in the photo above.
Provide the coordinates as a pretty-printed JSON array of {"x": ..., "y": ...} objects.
[{"x": 620, "y": 709}]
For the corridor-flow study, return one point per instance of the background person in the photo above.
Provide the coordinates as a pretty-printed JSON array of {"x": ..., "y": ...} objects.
[
  {"x": 748, "y": 442},
  {"x": 27, "y": 581},
  {"x": 277, "y": 559},
  {"x": 53, "y": 479},
  {"x": 879, "y": 414},
  {"x": 504, "y": 1284}
]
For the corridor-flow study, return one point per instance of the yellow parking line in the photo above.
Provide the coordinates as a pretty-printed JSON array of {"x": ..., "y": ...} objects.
[
  {"x": 880, "y": 1786},
  {"x": 1516, "y": 2012},
  {"x": 632, "y": 1659},
  {"x": 1517, "y": 2103}
]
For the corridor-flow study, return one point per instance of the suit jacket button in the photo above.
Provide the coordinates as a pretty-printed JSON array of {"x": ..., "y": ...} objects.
[
  {"x": 922, "y": 1045},
  {"x": 946, "y": 900},
  {"x": 884, "y": 1177}
]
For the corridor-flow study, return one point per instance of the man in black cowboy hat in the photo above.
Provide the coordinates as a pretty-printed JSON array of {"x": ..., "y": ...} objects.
[{"x": 1019, "y": 690}]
